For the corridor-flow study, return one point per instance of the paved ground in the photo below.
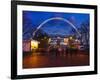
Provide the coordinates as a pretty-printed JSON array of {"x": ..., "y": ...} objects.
[{"x": 38, "y": 60}]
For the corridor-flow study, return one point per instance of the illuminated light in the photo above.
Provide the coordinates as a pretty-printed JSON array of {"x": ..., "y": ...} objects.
[
  {"x": 71, "y": 38},
  {"x": 66, "y": 41},
  {"x": 58, "y": 37},
  {"x": 49, "y": 40},
  {"x": 34, "y": 44}
]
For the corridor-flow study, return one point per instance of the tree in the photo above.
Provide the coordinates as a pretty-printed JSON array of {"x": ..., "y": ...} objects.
[{"x": 84, "y": 30}]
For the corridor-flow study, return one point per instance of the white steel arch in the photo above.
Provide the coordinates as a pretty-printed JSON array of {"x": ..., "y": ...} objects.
[{"x": 56, "y": 18}]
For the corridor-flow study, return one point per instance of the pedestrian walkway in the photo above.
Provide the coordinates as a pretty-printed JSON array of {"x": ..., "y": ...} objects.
[{"x": 38, "y": 60}]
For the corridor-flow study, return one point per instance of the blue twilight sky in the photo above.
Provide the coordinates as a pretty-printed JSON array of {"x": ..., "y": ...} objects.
[{"x": 35, "y": 18}]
